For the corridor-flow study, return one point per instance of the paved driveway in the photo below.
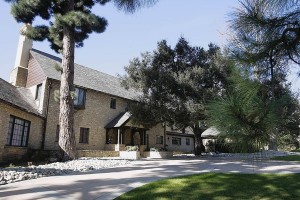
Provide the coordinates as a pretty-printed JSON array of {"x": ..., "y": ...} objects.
[{"x": 110, "y": 183}]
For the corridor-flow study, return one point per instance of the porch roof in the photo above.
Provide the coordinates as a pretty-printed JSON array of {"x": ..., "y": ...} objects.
[{"x": 119, "y": 121}]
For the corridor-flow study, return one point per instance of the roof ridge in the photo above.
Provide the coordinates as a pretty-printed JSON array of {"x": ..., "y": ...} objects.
[
  {"x": 47, "y": 54},
  {"x": 60, "y": 59},
  {"x": 85, "y": 76}
]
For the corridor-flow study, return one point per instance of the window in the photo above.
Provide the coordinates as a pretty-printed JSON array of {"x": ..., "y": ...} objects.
[
  {"x": 84, "y": 135},
  {"x": 79, "y": 100},
  {"x": 38, "y": 92},
  {"x": 187, "y": 141},
  {"x": 159, "y": 139},
  {"x": 18, "y": 131},
  {"x": 57, "y": 134},
  {"x": 113, "y": 103},
  {"x": 176, "y": 140}
]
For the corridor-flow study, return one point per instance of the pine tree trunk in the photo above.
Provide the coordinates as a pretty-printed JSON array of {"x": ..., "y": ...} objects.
[{"x": 66, "y": 116}]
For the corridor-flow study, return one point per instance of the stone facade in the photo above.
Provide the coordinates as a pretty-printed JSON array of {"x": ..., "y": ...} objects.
[
  {"x": 35, "y": 70},
  {"x": 95, "y": 115},
  {"x": 35, "y": 133},
  {"x": 98, "y": 153}
]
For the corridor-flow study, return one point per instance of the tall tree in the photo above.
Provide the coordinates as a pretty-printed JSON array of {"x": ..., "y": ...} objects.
[
  {"x": 70, "y": 23},
  {"x": 266, "y": 40},
  {"x": 247, "y": 117},
  {"x": 175, "y": 85},
  {"x": 264, "y": 28}
]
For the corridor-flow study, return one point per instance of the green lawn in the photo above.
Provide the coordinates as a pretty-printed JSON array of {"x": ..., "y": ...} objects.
[
  {"x": 296, "y": 150},
  {"x": 220, "y": 186},
  {"x": 288, "y": 158}
]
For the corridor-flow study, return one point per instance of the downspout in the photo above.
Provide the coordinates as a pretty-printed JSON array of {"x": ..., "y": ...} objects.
[{"x": 46, "y": 115}]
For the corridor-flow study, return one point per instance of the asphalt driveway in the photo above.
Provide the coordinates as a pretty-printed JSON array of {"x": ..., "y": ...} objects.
[{"x": 110, "y": 183}]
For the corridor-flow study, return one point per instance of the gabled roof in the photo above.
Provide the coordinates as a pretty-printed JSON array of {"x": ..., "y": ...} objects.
[
  {"x": 84, "y": 76},
  {"x": 172, "y": 133},
  {"x": 211, "y": 132},
  {"x": 119, "y": 121},
  {"x": 18, "y": 97}
]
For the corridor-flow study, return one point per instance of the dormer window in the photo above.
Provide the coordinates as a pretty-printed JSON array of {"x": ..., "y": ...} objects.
[
  {"x": 79, "y": 99},
  {"x": 38, "y": 92},
  {"x": 113, "y": 103}
]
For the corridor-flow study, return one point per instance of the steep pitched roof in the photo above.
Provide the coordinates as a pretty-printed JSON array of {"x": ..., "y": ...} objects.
[
  {"x": 119, "y": 121},
  {"x": 172, "y": 133},
  {"x": 19, "y": 97},
  {"x": 84, "y": 76},
  {"x": 211, "y": 132}
]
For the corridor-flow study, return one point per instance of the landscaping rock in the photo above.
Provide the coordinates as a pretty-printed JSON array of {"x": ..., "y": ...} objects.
[{"x": 14, "y": 174}]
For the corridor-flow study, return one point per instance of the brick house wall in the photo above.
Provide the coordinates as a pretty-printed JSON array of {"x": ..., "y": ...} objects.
[
  {"x": 35, "y": 134},
  {"x": 96, "y": 114}
]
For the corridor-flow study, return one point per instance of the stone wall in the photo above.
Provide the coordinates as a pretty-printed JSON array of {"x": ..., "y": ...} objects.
[
  {"x": 158, "y": 130},
  {"x": 35, "y": 134},
  {"x": 11, "y": 153},
  {"x": 96, "y": 114},
  {"x": 98, "y": 153}
]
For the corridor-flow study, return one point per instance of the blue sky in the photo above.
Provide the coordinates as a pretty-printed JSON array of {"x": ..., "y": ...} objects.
[{"x": 129, "y": 35}]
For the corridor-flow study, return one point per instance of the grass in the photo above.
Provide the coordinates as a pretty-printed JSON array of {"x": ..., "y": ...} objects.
[
  {"x": 296, "y": 150},
  {"x": 288, "y": 158},
  {"x": 223, "y": 186}
]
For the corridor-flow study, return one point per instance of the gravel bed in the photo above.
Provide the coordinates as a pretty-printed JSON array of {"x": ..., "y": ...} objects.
[{"x": 14, "y": 174}]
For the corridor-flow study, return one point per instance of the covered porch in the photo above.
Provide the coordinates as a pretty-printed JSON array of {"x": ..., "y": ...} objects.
[{"x": 121, "y": 132}]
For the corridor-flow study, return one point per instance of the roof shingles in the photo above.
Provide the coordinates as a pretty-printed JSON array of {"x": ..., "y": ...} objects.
[
  {"x": 20, "y": 97},
  {"x": 84, "y": 76}
]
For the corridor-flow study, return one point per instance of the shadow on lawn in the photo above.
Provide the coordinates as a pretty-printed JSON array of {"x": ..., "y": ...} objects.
[
  {"x": 221, "y": 186},
  {"x": 110, "y": 183}
]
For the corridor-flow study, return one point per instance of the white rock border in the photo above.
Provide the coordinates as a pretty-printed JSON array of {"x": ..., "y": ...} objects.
[{"x": 14, "y": 174}]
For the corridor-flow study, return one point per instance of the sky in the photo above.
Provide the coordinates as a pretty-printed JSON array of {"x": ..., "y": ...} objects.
[{"x": 128, "y": 35}]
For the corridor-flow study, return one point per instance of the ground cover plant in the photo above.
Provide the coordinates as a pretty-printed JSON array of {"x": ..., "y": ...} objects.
[
  {"x": 220, "y": 186},
  {"x": 288, "y": 158},
  {"x": 296, "y": 150}
]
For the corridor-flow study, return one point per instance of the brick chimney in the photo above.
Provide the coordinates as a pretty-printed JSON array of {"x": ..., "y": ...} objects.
[{"x": 18, "y": 76}]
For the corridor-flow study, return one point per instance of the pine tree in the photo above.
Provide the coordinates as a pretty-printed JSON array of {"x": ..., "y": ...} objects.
[
  {"x": 267, "y": 28},
  {"x": 70, "y": 23}
]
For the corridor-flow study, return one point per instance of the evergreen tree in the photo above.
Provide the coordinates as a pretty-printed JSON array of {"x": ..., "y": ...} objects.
[
  {"x": 264, "y": 28},
  {"x": 175, "y": 85},
  {"x": 266, "y": 41},
  {"x": 248, "y": 117},
  {"x": 70, "y": 23}
]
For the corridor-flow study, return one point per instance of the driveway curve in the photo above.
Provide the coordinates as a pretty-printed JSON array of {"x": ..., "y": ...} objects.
[{"x": 107, "y": 184}]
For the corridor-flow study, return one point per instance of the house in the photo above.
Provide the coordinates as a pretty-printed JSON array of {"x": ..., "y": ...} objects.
[
  {"x": 30, "y": 109},
  {"x": 210, "y": 136},
  {"x": 181, "y": 141}
]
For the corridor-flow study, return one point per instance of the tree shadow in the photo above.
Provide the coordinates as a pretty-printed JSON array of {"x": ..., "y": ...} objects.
[{"x": 111, "y": 182}]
